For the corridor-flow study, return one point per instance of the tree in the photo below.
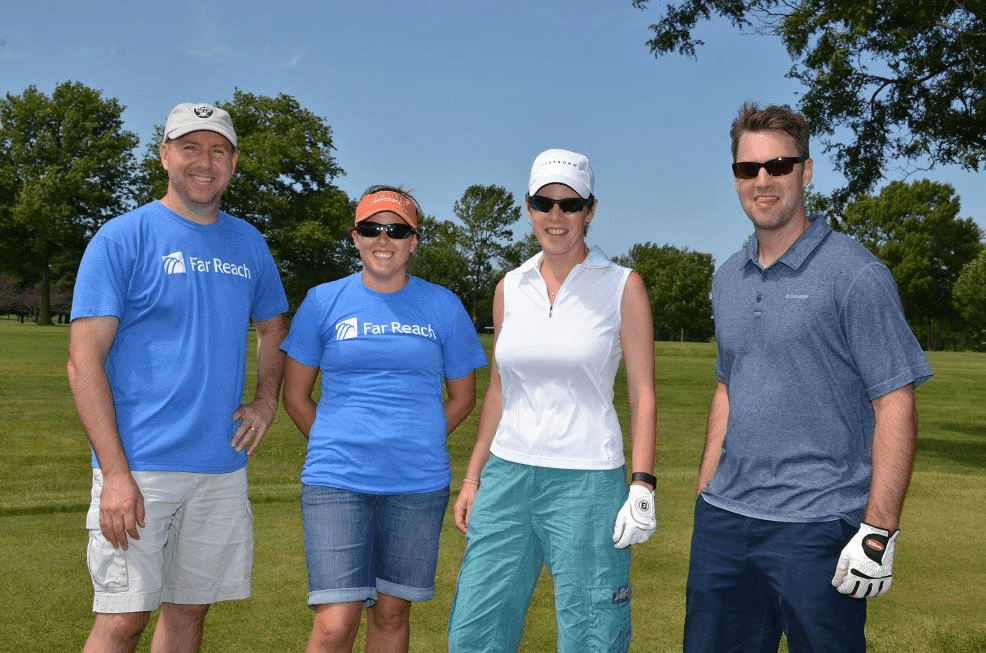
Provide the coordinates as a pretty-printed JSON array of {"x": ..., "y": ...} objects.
[
  {"x": 316, "y": 248},
  {"x": 969, "y": 297},
  {"x": 907, "y": 78},
  {"x": 65, "y": 168},
  {"x": 679, "y": 285},
  {"x": 486, "y": 213},
  {"x": 11, "y": 297},
  {"x": 819, "y": 204},
  {"x": 915, "y": 229},
  {"x": 519, "y": 251},
  {"x": 283, "y": 186},
  {"x": 439, "y": 258}
]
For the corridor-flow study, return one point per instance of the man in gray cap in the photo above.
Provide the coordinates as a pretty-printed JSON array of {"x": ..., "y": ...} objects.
[{"x": 161, "y": 307}]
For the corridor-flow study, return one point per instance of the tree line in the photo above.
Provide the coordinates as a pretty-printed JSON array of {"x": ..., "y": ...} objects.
[{"x": 67, "y": 165}]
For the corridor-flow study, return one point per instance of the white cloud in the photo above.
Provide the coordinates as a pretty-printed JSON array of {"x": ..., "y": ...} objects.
[{"x": 296, "y": 57}]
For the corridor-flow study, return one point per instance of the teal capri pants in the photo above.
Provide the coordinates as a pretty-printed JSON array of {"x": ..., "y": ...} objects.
[{"x": 527, "y": 516}]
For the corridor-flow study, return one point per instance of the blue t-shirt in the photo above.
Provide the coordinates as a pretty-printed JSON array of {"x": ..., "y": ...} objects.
[
  {"x": 804, "y": 347},
  {"x": 380, "y": 424},
  {"x": 184, "y": 294}
]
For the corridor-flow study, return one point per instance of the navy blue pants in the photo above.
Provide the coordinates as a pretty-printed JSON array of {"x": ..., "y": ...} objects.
[{"x": 749, "y": 580}]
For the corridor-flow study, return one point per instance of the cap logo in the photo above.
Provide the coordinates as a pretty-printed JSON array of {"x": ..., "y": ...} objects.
[
  {"x": 203, "y": 111},
  {"x": 387, "y": 200},
  {"x": 554, "y": 161}
]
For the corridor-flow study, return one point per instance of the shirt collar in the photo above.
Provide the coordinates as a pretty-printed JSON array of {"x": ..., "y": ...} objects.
[
  {"x": 799, "y": 251},
  {"x": 596, "y": 259}
]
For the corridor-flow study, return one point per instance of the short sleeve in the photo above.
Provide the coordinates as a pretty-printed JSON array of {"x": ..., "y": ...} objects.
[
  {"x": 462, "y": 350},
  {"x": 304, "y": 340},
  {"x": 886, "y": 353}
]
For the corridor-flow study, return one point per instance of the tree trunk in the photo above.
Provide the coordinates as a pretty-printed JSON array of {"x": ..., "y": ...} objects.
[{"x": 44, "y": 314}]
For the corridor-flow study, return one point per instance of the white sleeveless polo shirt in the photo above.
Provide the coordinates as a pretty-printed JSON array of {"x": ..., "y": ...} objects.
[{"x": 557, "y": 364}]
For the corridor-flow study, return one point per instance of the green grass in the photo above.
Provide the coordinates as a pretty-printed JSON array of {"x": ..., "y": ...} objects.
[{"x": 937, "y": 602}]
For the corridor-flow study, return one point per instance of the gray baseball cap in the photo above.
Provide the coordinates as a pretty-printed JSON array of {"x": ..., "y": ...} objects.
[{"x": 189, "y": 117}]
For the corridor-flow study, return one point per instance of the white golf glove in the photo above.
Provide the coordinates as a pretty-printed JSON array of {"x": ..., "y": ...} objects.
[
  {"x": 865, "y": 568},
  {"x": 636, "y": 521}
]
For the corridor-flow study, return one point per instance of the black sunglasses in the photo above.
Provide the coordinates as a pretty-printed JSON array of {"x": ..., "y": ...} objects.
[
  {"x": 543, "y": 204},
  {"x": 782, "y": 165},
  {"x": 397, "y": 231}
]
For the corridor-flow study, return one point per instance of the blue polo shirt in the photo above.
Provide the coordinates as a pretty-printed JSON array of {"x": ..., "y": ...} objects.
[{"x": 804, "y": 346}]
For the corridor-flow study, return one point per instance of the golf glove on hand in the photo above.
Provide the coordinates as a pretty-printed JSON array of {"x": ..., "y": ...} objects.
[
  {"x": 866, "y": 565},
  {"x": 636, "y": 521}
]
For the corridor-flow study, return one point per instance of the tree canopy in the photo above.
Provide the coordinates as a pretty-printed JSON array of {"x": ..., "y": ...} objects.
[
  {"x": 969, "y": 297},
  {"x": 440, "y": 258},
  {"x": 916, "y": 230},
  {"x": 65, "y": 168},
  {"x": 907, "y": 78},
  {"x": 679, "y": 286},
  {"x": 486, "y": 213}
]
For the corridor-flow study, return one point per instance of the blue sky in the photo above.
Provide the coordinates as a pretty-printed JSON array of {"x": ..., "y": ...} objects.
[{"x": 440, "y": 95}]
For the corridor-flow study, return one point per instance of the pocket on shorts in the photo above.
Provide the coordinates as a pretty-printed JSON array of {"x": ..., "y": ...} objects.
[
  {"x": 107, "y": 565},
  {"x": 248, "y": 507},
  {"x": 239, "y": 546}
]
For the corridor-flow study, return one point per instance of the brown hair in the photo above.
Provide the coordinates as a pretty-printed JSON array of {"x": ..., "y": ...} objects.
[{"x": 752, "y": 118}]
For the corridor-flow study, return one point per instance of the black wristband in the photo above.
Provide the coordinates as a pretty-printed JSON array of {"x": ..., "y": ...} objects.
[{"x": 645, "y": 477}]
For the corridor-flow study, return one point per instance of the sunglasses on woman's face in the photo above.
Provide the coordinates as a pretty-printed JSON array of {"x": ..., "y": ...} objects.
[
  {"x": 543, "y": 204},
  {"x": 782, "y": 165},
  {"x": 397, "y": 231}
]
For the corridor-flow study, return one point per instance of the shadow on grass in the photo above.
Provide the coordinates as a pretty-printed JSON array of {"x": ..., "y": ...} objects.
[
  {"x": 969, "y": 454},
  {"x": 58, "y": 508},
  {"x": 53, "y": 509}
]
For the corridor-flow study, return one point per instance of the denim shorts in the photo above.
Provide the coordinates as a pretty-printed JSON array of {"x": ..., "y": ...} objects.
[
  {"x": 196, "y": 546},
  {"x": 357, "y": 544}
]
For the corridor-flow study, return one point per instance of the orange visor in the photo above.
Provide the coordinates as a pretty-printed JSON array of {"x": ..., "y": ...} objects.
[{"x": 387, "y": 200}]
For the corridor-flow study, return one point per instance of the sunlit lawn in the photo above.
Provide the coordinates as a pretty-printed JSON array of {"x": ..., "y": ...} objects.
[{"x": 937, "y": 602}]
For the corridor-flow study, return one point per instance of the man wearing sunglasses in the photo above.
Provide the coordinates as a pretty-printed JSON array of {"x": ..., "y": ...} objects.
[{"x": 812, "y": 427}]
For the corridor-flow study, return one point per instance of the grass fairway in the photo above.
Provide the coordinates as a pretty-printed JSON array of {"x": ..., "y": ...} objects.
[{"x": 937, "y": 602}]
